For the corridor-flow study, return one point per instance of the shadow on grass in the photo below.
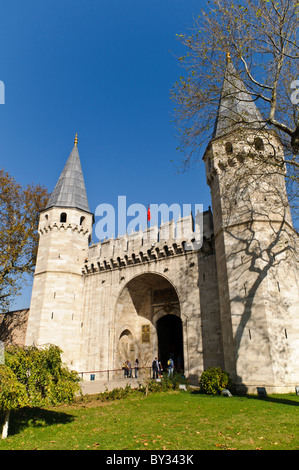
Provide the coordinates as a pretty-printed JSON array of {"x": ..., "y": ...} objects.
[
  {"x": 290, "y": 399},
  {"x": 36, "y": 417}
]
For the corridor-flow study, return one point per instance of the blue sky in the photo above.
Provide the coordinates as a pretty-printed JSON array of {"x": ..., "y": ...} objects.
[{"x": 104, "y": 69}]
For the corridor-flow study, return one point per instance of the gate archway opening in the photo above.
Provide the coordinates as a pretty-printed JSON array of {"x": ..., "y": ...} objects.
[
  {"x": 146, "y": 304},
  {"x": 170, "y": 341}
]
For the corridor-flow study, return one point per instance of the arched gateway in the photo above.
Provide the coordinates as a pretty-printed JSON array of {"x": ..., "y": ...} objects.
[
  {"x": 229, "y": 301},
  {"x": 148, "y": 322}
]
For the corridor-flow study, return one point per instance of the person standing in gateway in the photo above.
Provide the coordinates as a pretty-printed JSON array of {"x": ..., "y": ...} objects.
[
  {"x": 136, "y": 368},
  {"x": 170, "y": 366},
  {"x": 155, "y": 367}
]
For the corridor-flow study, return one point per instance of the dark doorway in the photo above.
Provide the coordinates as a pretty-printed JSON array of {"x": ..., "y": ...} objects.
[{"x": 170, "y": 341}]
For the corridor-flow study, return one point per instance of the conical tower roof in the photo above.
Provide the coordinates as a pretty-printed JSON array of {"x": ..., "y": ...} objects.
[
  {"x": 70, "y": 189},
  {"x": 236, "y": 106}
]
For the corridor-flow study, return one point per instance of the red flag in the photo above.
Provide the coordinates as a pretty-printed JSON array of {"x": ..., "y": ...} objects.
[{"x": 148, "y": 213}]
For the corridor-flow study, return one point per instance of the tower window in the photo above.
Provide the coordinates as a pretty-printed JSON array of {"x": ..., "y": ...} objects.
[
  {"x": 229, "y": 147},
  {"x": 258, "y": 143},
  {"x": 82, "y": 220},
  {"x": 63, "y": 217}
]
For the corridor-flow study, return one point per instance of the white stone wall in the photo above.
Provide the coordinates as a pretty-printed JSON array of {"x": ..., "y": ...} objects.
[
  {"x": 57, "y": 295},
  {"x": 256, "y": 262},
  {"x": 118, "y": 299}
]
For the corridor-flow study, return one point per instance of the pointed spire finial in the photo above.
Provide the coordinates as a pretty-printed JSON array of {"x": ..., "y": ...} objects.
[
  {"x": 236, "y": 107},
  {"x": 76, "y": 140}
]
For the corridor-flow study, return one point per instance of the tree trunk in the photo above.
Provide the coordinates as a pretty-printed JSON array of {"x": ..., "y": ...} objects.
[
  {"x": 5, "y": 427},
  {"x": 295, "y": 140}
]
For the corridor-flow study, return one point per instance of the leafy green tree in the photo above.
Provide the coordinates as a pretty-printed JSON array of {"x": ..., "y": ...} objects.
[
  {"x": 13, "y": 395},
  {"x": 19, "y": 215},
  {"x": 47, "y": 380},
  {"x": 35, "y": 377}
]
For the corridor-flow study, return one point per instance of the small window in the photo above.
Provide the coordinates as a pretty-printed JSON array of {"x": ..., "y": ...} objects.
[
  {"x": 63, "y": 217},
  {"x": 82, "y": 220},
  {"x": 46, "y": 216},
  {"x": 229, "y": 147},
  {"x": 258, "y": 143}
]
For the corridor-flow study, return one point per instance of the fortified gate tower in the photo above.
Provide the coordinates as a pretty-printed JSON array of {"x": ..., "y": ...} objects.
[
  {"x": 231, "y": 302},
  {"x": 255, "y": 244}
]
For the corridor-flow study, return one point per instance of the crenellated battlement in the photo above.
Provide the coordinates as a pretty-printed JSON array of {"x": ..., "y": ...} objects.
[
  {"x": 63, "y": 226},
  {"x": 170, "y": 239}
]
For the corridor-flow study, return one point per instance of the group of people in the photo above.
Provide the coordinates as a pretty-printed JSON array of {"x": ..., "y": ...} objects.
[
  {"x": 156, "y": 366},
  {"x": 158, "y": 369},
  {"x": 127, "y": 368}
]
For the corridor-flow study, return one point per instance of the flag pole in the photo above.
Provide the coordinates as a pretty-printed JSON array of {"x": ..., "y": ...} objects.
[{"x": 148, "y": 215}]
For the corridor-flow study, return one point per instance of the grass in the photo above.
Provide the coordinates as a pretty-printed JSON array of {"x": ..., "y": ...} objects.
[{"x": 161, "y": 421}]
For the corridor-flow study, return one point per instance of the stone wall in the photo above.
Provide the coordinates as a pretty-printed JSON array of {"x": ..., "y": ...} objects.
[
  {"x": 118, "y": 302},
  {"x": 13, "y": 327},
  {"x": 257, "y": 265}
]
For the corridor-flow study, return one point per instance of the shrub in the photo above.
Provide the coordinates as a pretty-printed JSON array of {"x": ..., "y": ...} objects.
[
  {"x": 115, "y": 394},
  {"x": 12, "y": 393},
  {"x": 214, "y": 380},
  {"x": 46, "y": 380},
  {"x": 166, "y": 383},
  {"x": 34, "y": 377}
]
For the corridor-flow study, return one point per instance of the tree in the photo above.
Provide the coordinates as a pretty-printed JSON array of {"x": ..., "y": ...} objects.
[
  {"x": 12, "y": 395},
  {"x": 35, "y": 377},
  {"x": 19, "y": 213},
  {"x": 260, "y": 38}
]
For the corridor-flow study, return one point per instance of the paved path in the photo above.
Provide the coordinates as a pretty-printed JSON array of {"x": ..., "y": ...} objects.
[{"x": 90, "y": 387}]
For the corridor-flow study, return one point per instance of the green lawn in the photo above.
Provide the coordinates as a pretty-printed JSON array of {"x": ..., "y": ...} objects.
[{"x": 161, "y": 421}]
